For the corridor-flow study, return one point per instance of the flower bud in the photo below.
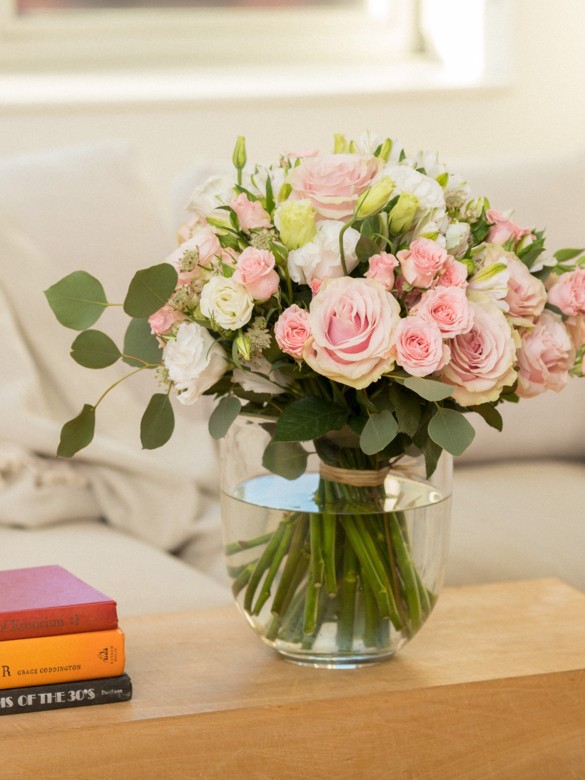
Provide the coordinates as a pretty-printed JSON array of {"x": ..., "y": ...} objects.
[
  {"x": 239, "y": 155},
  {"x": 403, "y": 213},
  {"x": 385, "y": 150},
  {"x": 243, "y": 347},
  {"x": 340, "y": 145},
  {"x": 374, "y": 199}
]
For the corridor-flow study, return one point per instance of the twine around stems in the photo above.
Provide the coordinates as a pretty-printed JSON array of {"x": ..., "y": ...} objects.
[{"x": 354, "y": 477}]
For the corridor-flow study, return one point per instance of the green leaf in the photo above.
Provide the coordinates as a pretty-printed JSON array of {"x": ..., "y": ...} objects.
[
  {"x": 531, "y": 252},
  {"x": 407, "y": 407},
  {"x": 378, "y": 432},
  {"x": 141, "y": 343},
  {"x": 94, "y": 349},
  {"x": 429, "y": 389},
  {"x": 309, "y": 418},
  {"x": 490, "y": 414},
  {"x": 365, "y": 248},
  {"x": 158, "y": 422},
  {"x": 564, "y": 255},
  {"x": 223, "y": 416},
  {"x": 451, "y": 431},
  {"x": 287, "y": 459},
  {"x": 77, "y": 433},
  {"x": 150, "y": 290},
  {"x": 78, "y": 300}
]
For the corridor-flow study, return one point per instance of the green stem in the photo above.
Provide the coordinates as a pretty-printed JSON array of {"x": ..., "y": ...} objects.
[
  {"x": 247, "y": 544},
  {"x": 348, "y": 594},
  {"x": 273, "y": 569},
  {"x": 377, "y": 563},
  {"x": 243, "y": 578},
  {"x": 406, "y": 568},
  {"x": 371, "y": 617},
  {"x": 295, "y": 562},
  {"x": 329, "y": 535},
  {"x": 263, "y": 563},
  {"x": 316, "y": 574}
]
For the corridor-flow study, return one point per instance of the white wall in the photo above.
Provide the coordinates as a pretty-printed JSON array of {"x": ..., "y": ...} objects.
[{"x": 541, "y": 110}]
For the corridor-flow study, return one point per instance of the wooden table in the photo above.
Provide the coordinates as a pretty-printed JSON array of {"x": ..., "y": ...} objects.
[{"x": 493, "y": 687}]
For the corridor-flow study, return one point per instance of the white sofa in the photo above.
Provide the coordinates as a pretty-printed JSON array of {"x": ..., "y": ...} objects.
[{"x": 144, "y": 526}]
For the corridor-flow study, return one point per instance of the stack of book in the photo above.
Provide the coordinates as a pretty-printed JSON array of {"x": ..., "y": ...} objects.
[{"x": 60, "y": 643}]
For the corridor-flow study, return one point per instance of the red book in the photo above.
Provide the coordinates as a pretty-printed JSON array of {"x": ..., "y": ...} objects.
[{"x": 49, "y": 600}]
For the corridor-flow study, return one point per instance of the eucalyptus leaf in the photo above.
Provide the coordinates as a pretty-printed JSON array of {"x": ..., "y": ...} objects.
[
  {"x": 429, "y": 389},
  {"x": 77, "y": 433},
  {"x": 408, "y": 409},
  {"x": 158, "y": 422},
  {"x": 490, "y": 414},
  {"x": 451, "y": 431},
  {"x": 140, "y": 344},
  {"x": 309, "y": 418},
  {"x": 286, "y": 458},
  {"x": 365, "y": 248},
  {"x": 78, "y": 300},
  {"x": 223, "y": 416},
  {"x": 94, "y": 349},
  {"x": 150, "y": 289},
  {"x": 564, "y": 255},
  {"x": 379, "y": 430}
]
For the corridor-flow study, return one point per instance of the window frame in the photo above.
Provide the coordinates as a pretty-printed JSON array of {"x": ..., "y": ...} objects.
[{"x": 202, "y": 38}]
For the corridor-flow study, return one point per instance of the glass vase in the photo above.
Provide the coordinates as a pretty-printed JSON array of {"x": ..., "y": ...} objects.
[{"x": 343, "y": 565}]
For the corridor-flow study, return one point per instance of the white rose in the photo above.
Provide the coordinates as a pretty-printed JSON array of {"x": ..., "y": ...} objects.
[
  {"x": 489, "y": 284},
  {"x": 194, "y": 360},
  {"x": 260, "y": 377},
  {"x": 320, "y": 258},
  {"x": 226, "y": 303}
]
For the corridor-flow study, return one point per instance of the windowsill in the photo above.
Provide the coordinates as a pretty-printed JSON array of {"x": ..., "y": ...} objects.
[{"x": 169, "y": 86}]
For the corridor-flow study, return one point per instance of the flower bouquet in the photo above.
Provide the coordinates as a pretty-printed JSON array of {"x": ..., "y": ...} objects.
[{"x": 347, "y": 310}]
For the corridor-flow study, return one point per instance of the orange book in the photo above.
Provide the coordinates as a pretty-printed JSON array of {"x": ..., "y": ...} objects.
[{"x": 62, "y": 658}]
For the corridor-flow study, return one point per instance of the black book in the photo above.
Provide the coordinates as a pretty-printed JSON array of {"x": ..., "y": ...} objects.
[{"x": 81, "y": 693}]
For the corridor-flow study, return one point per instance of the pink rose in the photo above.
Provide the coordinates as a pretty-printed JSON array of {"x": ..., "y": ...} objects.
[
  {"x": 482, "y": 360},
  {"x": 315, "y": 285},
  {"x": 292, "y": 330},
  {"x": 503, "y": 229},
  {"x": 448, "y": 308},
  {"x": 352, "y": 322},
  {"x": 453, "y": 274},
  {"x": 422, "y": 262},
  {"x": 255, "y": 271},
  {"x": 526, "y": 294},
  {"x": 545, "y": 357},
  {"x": 333, "y": 182},
  {"x": 568, "y": 292},
  {"x": 382, "y": 269},
  {"x": 162, "y": 320},
  {"x": 419, "y": 346},
  {"x": 576, "y": 327},
  {"x": 250, "y": 213}
]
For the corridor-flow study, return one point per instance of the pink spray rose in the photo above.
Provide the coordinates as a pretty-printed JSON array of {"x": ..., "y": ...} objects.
[
  {"x": 503, "y": 229},
  {"x": 448, "y": 308},
  {"x": 255, "y": 271},
  {"x": 250, "y": 213},
  {"x": 162, "y": 320},
  {"x": 453, "y": 274},
  {"x": 422, "y": 262},
  {"x": 382, "y": 269},
  {"x": 545, "y": 357},
  {"x": 482, "y": 360},
  {"x": 419, "y": 346},
  {"x": 333, "y": 182},
  {"x": 352, "y": 323},
  {"x": 526, "y": 294},
  {"x": 292, "y": 330},
  {"x": 568, "y": 292}
]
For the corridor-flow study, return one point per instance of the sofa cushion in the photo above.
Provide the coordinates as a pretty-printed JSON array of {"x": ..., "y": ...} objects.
[
  {"x": 141, "y": 578},
  {"x": 518, "y": 520}
]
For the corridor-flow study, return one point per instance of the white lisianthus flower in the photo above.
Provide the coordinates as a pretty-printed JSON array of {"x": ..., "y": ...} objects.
[
  {"x": 320, "y": 258},
  {"x": 259, "y": 377},
  {"x": 458, "y": 237},
  {"x": 489, "y": 284},
  {"x": 194, "y": 361},
  {"x": 429, "y": 192},
  {"x": 431, "y": 164},
  {"x": 207, "y": 197},
  {"x": 226, "y": 303}
]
